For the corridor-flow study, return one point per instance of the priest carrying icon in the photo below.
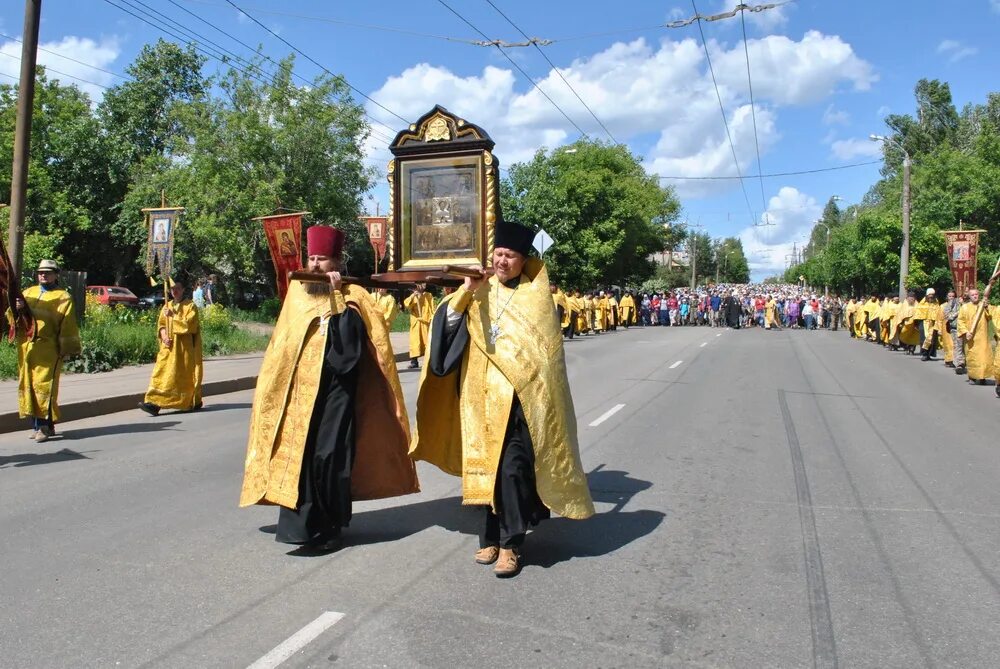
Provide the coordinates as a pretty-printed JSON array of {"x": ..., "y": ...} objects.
[{"x": 510, "y": 430}]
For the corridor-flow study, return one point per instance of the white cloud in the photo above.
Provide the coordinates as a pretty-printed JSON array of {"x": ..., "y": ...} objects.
[
  {"x": 884, "y": 109},
  {"x": 834, "y": 116},
  {"x": 639, "y": 89},
  {"x": 790, "y": 214},
  {"x": 995, "y": 6},
  {"x": 100, "y": 54},
  {"x": 955, "y": 50},
  {"x": 848, "y": 149}
]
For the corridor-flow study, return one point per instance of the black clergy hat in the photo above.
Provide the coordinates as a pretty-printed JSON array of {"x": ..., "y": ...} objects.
[{"x": 514, "y": 236}]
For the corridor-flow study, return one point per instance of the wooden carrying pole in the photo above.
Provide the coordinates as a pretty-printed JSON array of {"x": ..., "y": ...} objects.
[
  {"x": 985, "y": 298},
  {"x": 318, "y": 277}
]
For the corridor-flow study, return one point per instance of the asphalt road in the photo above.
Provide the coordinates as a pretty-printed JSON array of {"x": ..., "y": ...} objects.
[{"x": 765, "y": 499}]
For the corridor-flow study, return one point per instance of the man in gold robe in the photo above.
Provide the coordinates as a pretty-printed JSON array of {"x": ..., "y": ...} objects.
[
  {"x": 420, "y": 306},
  {"x": 626, "y": 309},
  {"x": 40, "y": 358},
  {"x": 978, "y": 356},
  {"x": 601, "y": 312},
  {"x": 176, "y": 380},
  {"x": 771, "y": 313},
  {"x": 328, "y": 424},
  {"x": 387, "y": 305},
  {"x": 892, "y": 311},
  {"x": 906, "y": 328},
  {"x": 562, "y": 310},
  {"x": 849, "y": 315},
  {"x": 613, "y": 320},
  {"x": 510, "y": 429},
  {"x": 931, "y": 311}
]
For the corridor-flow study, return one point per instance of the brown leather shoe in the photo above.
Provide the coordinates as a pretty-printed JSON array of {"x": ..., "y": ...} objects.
[
  {"x": 487, "y": 555},
  {"x": 508, "y": 563}
]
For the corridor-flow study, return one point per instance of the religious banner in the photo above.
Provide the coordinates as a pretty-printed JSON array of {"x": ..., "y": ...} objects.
[
  {"x": 376, "y": 226},
  {"x": 161, "y": 223},
  {"x": 962, "y": 249},
  {"x": 284, "y": 239}
]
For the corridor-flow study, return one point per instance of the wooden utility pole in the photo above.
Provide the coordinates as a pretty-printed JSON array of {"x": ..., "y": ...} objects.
[{"x": 22, "y": 132}]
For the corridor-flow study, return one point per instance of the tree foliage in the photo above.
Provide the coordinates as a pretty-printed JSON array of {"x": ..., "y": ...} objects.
[
  {"x": 955, "y": 179},
  {"x": 606, "y": 216}
]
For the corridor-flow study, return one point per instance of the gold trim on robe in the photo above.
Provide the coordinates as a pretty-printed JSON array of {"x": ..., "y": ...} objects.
[
  {"x": 286, "y": 394},
  {"x": 462, "y": 433}
]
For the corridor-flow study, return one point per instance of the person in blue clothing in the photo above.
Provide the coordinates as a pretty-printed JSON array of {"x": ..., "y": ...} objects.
[
  {"x": 715, "y": 302},
  {"x": 685, "y": 308}
]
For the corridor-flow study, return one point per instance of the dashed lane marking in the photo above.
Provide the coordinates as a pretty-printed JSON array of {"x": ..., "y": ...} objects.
[
  {"x": 703, "y": 344},
  {"x": 298, "y": 641},
  {"x": 676, "y": 364},
  {"x": 607, "y": 414}
]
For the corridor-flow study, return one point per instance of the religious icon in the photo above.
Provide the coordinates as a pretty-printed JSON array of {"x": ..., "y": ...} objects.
[
  {"x": 375, "y": 230},
  {"x": 960, "y": 251},
  {"x": 161, "y": 229},
  {"x": 286, "y": 245}
]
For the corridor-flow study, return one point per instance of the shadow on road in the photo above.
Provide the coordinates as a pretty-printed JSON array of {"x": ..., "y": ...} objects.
[
  {"x": 211, "y": 408},
  {"x": 30, "y": 459},
  {"x": 553, "y": 541},
  {"x": 124, "y": 428}
]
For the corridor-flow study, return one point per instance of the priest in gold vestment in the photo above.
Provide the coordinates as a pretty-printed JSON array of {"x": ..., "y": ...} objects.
[
  {"x": 420, "y": 306},
  {"x": 494, "y": 404},
  {"x": 978, "y": 355},
  {"x": 328, "y": 423},
  {"x": 176, "y": 380},
  {"x": 387, "y": 305},
  {"x": 40, "y": 358}
]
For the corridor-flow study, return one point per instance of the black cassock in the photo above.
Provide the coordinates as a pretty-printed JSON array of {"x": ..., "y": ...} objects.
[
  {"x": 325, "y": 478},
  {"x": 515, "y": 495},
  {"x": 733, "y": 310}
]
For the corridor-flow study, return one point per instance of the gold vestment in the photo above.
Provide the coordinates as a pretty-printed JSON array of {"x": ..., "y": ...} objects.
[
  {"x": 39, "y": 360},
  {"x": 177, "y": 374}
]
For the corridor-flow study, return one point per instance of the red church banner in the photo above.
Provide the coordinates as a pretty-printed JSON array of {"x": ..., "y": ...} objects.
[
  {"x": 284, "y": 239},
  {"x": 963, "y": 246}
]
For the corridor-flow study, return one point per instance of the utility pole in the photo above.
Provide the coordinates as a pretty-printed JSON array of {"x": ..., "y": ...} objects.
[
  {"x": 694, "y": 256},
  {"x": 22, "y": 131},
  {"x": 904, "y": 256}
]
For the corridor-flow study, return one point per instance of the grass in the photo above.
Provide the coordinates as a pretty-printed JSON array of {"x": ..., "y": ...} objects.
[{"x": 114, "y": 338}]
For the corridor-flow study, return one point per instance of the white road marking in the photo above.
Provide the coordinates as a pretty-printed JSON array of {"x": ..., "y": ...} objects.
[
  {"x": 607, "y": 414},
  {"x": 703, "y": 344},
  {"x": 297, "y": 641},
  {"x": 719, "y": 335},
  {"x": 676, "y": 364}
]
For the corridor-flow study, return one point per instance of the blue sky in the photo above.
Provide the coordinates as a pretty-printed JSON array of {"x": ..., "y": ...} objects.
[{"x": 824, "y": 74}]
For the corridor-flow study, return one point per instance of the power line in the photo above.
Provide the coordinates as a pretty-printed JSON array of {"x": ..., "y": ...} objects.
[
  {"x": 78, "y": 62},
  {"x": 512, "y": 62},
  {"x": 773, "y": 174},
  {"x": 753, "y": 114},
  {"x": 49, "y": 69},
  {"x": 555, "y": 69},
  {"x": 722, "y": 110},
  {"x": 272, "y": 61},
  {"x": 317, "y": 64}
]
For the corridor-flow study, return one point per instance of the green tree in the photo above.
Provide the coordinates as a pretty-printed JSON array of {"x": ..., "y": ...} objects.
[{"x": 606, "y": 216}]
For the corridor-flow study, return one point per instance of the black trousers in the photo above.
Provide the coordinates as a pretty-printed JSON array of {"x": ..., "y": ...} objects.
[{"x": 515, "y": 497}]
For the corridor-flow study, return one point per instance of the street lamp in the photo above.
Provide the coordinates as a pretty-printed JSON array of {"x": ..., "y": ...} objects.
[{"x": 904, "y": 254}]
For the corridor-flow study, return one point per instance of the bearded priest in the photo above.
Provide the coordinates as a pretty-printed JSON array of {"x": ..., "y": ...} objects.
[
  {"x": 510, "y": 430},
  {"x": 328, "y": 424}
]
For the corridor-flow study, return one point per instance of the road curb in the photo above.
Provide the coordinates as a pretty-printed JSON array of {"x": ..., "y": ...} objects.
[{"x": 12, "y": 422}]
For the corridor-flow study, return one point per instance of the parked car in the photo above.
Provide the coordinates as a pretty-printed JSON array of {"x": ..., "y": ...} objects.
[
  {"x": 112, "y": 295},
  {"x": 153, "y": 300}
]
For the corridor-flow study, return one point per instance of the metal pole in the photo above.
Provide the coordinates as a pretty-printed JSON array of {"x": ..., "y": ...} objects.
[
  {"x": 904, "y": 255},
  {"x": 22, "y": 132},
  {"x": 694, "y": 262}
]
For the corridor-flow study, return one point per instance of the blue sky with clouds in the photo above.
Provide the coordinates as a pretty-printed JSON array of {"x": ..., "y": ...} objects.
[{"x": 823, "y": 74}]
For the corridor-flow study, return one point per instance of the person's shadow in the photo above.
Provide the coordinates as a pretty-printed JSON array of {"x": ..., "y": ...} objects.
[
  {"x": 122, "y": 428},
  {"x": 30, "y": 459},
  {"x": 553, "y": 541}
]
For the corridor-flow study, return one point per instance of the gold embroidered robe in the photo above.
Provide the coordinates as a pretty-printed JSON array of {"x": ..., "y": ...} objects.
[{"x": 39, "y": 360}]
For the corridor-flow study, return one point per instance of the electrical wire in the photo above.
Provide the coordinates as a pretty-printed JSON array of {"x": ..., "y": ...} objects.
[
  {"x": 556, "y": 70},
  {"x": 49, "y": 69},
  {"x": 74, "y": 60},
  {"x": 722, "y": 110},
  {"x": 317, "y": 64},
  {"x": 753, "y": 115},
  {"x": 773, "y": 174},
  {"x": 512, "y": 62}
]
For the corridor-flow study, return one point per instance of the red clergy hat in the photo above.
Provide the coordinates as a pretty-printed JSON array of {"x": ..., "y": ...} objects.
[{"x": 322, "y": 240}]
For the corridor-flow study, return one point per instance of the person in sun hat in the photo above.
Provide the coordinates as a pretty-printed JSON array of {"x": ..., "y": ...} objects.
[
  {"x": 510, "y": 429},
  {"x": 39, "y": 358},
  {"x": 328, "y": 424}
]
